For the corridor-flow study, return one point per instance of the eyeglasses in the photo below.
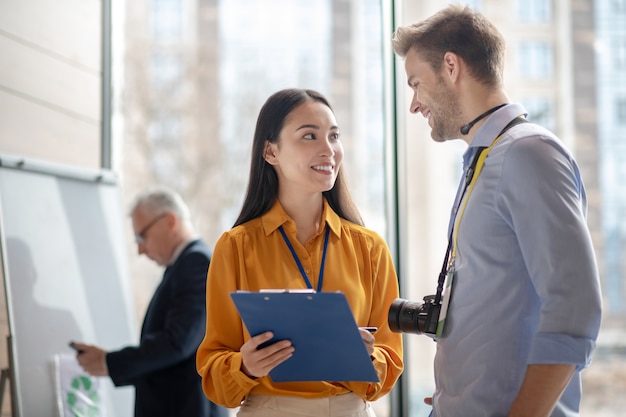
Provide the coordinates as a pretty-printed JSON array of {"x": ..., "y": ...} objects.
[{"x": 141, "y": 236}]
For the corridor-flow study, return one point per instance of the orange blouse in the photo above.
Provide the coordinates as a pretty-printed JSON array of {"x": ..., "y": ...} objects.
[{"x": 254, "y": 256}]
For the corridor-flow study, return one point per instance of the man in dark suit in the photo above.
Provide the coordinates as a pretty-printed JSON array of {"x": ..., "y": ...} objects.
[{"x": 162, "y": 368}]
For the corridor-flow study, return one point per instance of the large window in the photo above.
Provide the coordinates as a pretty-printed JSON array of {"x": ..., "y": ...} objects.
[
  {"x": 190, "y": 123},
  {"x": 555, "y": 78},
  {"x": 330, "y": 46}
]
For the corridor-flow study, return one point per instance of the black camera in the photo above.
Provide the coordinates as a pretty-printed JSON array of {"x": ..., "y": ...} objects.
[{"x": 413, "y": 317}]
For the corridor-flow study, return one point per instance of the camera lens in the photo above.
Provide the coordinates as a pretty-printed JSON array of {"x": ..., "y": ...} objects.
[{"x": 404, "y": 316}]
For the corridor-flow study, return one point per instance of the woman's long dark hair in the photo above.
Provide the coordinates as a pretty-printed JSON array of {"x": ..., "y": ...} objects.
[{"x": 263, "y": 182}]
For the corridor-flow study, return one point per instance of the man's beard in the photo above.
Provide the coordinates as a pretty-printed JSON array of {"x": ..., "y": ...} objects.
[{"x": 446, "y": 123}]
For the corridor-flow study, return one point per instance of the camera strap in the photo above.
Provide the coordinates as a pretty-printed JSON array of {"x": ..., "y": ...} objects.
[{"x": 470, "y": 180}]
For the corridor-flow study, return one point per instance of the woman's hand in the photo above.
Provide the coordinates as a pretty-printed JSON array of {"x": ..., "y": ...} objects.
[
  {"x": 259, "y": 362},
  {"x": 368, "y": 339}
]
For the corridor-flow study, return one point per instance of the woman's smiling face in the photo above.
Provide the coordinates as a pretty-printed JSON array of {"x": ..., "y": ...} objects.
[{"x": 308, "y": 153}]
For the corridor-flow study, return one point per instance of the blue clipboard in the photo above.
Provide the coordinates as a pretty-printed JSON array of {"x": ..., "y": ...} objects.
[{"x": 321, "y": 327}]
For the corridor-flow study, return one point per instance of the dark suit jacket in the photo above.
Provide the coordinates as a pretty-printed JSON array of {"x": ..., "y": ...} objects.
[{"x": 163, "y": 367}]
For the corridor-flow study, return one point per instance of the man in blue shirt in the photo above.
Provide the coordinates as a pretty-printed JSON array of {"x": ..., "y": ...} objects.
[{"x": 525, "y": 307}]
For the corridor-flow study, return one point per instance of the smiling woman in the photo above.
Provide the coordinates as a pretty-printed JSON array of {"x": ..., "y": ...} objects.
[{"x": 297, "y": 218}]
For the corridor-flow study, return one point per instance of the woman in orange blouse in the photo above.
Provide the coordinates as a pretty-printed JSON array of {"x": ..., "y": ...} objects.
[{"x": 296, "y": 196}]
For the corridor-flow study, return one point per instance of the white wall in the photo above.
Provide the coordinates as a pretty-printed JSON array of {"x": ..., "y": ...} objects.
[
  {"x": 50, "y": 80},
  {"x": 50, "y": 92}
]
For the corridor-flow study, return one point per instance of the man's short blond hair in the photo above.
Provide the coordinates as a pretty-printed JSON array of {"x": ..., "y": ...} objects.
[{"x": 461, "y": 30}]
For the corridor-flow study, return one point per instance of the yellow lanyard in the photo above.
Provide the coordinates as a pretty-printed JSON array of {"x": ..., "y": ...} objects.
[{"x": 477, "y": 170}]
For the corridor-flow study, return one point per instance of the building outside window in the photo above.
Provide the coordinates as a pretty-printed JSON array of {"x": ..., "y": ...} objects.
[
  {"x": 536, "y": 60},
  {"x": 534, "y": 11},
  {"x": 167, "y": 20},
  {"x": 540, "y": 111}
]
